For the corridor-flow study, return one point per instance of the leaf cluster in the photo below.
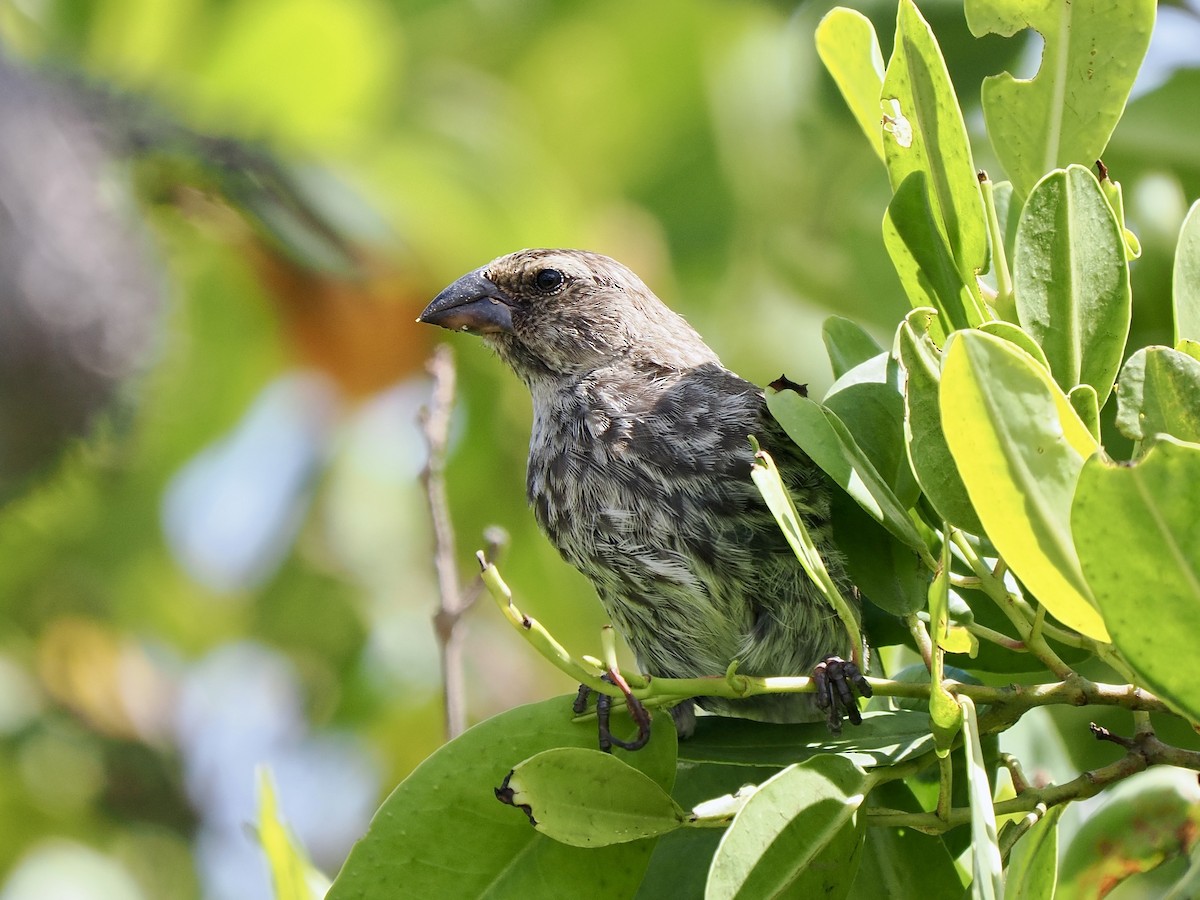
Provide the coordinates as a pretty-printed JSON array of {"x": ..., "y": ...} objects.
[{"x": 982, "y": 516}]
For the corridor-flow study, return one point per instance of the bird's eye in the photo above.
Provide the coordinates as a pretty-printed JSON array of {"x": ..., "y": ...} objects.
[{"x": 548, "y": 280}]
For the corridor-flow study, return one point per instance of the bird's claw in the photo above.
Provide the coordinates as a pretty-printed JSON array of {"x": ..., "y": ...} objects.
[
  {"x": 637, "y": 712},
  {"x": 836, "y": 680}
]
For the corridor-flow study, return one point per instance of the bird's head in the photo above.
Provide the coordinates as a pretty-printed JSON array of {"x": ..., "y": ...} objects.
[{"x": 563, "y": 313}]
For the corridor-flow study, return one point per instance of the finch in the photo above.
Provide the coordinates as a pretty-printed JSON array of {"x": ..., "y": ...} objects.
[{"x": 639, "y": 473}]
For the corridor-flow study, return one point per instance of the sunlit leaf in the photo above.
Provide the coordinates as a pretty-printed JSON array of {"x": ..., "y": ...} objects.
[
  {"x": 848, "y": 47},
  {"x": 1071, "y": 280},
  {"x": 921, "y": 255},
  {"x": 1067, "y": 111},
  {"x": 927, "y": 136},
  {"x": 800, "y": 835},
  {"x": 1138, "y": 538},
  {"x": 1186, "y": 284},
  {"x": 1159, "y": 393},
  {"x": 1019, "y": 447}
]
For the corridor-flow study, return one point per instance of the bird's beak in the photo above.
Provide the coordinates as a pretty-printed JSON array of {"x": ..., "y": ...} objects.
[{"x": 473, "y": 303}]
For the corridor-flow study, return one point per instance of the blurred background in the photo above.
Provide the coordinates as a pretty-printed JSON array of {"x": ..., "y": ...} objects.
[{"x": 218, "y": 221}]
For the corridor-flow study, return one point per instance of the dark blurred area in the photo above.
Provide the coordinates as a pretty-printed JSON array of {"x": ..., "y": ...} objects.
[{"x": 218, "y": 221}]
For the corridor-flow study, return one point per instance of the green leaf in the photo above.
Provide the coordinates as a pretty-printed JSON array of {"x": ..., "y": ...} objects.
[
  {"x": 887, "y": 572},
  {"x": 293, "y": 877},
  {"x": 848, "y": 47},
  {"x": 1138, "y": 538},
  {"x": 873, "y": 413},
  {"x": 1190, "y": 348},
  {"x": 1071, "y": 279},
  {"x": 1087, "y": 407},
  {"x": 1145, "y": 820},
  {"x": 821, "y": 434},
  {"x": 442, "y": 833},
  {"x": 800, "y": 835},
  {"x": 928, "y": 452},
  {"x": 985, "y": 849},
  {"x": 923, "y": 260},
  {"x": 587, "y": 798},
  {"x": 1033, "y": 865},
  {"x": 884, "y": 738},
  {"x": 1066, "y": 113},
  {"x": 1019, "y": 447},
  {"x": 1014, "y": 334},
  {"x": 679, "y": 865},
  {"x": 900, "y": 862},
  {"x": 1186, "y": 282},
  {"x": 928, "y": 137},
  {"x": 846, "y": 342},
  {"x": 1159, "y": 393},
  {"x": 1116, "y": 199}
]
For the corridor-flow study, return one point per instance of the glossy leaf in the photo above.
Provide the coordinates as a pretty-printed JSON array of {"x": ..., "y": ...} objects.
[
  {"x": 588, "y": 798},
  {"x": 1020, "y": 447},
  {"x": 1138, "y": 538},
  {"x": 414, "y": 843},
  {"x": 821, "y": 434},
  {"x": 847, "y": 343},
  {"x": 848, "y": 47},
  {"x": 1159, "y": 394},
  {"x": 800, "y": 835},
  {"x": 1067, "y": 111},
  {"x": 928, "y": 452},
  {"x": 1186, "y": 283},
  {"x": 928, "y": 137},
  {"x": 1116, "y": 199},
  {"x": 1071, "y": 279}
]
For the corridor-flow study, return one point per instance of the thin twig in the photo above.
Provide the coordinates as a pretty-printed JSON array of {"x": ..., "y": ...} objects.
[{"x": 452, "y": 603}]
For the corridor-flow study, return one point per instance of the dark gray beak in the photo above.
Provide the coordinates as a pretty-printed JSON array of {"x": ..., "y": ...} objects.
[{"x": 473, "y": 303}]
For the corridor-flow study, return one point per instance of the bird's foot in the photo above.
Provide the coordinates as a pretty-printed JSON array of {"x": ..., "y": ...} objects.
[
  {"x": 837, "y": 679},
  {"x": 637, "y": 712}
]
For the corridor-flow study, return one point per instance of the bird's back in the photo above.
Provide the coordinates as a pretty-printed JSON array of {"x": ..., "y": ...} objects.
[{"x": 641, "y": 478}]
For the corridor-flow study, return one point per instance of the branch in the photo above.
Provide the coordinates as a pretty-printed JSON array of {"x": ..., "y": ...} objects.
[
  {"x": 452, "y": 602},
  {"x": 1000, "y": 706},
  {"x": 1142, "y": 751}
]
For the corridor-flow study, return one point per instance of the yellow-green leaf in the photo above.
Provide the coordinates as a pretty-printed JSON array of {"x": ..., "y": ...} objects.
[
  {"x": 1019, "y": 447},
  {"x": 848, "y": 47}
]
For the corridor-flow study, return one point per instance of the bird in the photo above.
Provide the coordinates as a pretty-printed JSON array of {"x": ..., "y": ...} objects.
[{"x": 639, "y": 474}]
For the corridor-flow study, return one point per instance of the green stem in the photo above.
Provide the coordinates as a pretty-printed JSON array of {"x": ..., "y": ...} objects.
[{"x": 1004, "y": 302}]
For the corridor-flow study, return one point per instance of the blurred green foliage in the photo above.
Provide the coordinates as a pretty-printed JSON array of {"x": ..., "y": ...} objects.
[{"x": 699, "y": 142}]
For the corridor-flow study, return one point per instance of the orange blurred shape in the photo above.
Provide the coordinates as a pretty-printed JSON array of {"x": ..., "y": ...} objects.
[{"x": 361, "y": 330}]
